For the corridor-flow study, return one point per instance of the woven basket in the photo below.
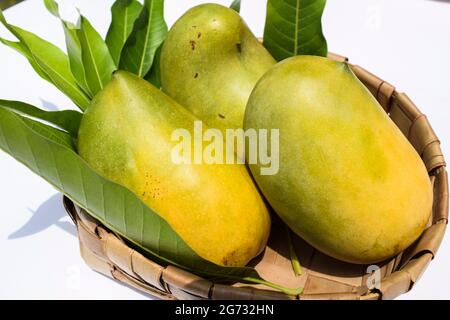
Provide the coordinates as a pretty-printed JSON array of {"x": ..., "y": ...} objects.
[{"x": 323, "y": 277}]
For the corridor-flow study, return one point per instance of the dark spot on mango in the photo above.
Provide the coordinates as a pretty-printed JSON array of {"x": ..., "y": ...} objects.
[
  {"x": 229, "y": 258},
  {"x": 192, "y": 43},
  {"x": 196, "y": 76},
  {"x": 221, "y": 116},
  {"x": 239, "y": 47},
  {"x": 199, "y": 35}
]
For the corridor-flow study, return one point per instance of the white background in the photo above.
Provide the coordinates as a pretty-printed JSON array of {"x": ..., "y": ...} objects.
[{"x": 406, "y": 42}]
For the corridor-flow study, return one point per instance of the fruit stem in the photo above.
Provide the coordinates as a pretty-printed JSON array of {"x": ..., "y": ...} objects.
[{"x": 296, "y": 266}]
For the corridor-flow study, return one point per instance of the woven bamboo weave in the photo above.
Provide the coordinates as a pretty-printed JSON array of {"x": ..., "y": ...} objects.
[{"x": 323, "y": 277}]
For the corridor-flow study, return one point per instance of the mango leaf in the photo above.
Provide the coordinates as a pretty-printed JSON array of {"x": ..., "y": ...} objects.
[
  {"x": 39, "y": 147},
  {"x": 67, "y": 120},
  {"x": 51, "y": 133},
  {"x": 154, "y": 75},
  {"x": 76, "y": 59},
  {"x": 148, "y": 33},
  {"x": 52, "y": 7},
  {"x": 293, "y": 27},
  {"x": 236, "y": 5},
  {"x": 73, "y": 48},
  {"x": 124, "y": 14},
  {"x": 22, "y": 49},
  {"x": 90, "y": 60},
  {"x": 52, "y": 61},
  {"x": 98, "y": 63}
]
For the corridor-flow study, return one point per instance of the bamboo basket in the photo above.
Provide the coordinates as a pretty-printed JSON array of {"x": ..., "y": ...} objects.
[{"x": 323, "y": 277}]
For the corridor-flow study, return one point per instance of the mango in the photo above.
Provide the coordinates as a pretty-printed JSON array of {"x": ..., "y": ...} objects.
[
  {"x": 126, "y": 135},
  {"x": 349, "y": 182},
  {"x": 210, "y": 63}
]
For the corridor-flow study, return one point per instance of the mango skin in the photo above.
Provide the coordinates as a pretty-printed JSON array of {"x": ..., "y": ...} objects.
[
  {"x": 349, "y": 183},
  {"x": 210, "y": 63},
  {"x": 125, "y": 135}
]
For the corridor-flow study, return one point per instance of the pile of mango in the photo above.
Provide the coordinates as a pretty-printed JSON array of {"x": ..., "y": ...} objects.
[{"x": 349, "y": 183}]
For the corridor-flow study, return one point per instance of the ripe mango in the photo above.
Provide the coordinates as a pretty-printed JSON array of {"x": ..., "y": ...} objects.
[
  {"x": 349, "y": 182},
  {"x": 126, "y": 135},
  {"x": 210, "y": 63}
]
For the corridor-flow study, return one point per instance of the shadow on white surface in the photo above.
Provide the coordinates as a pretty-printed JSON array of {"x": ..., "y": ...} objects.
[
  {"x": 49, "y": 105},
  {"x": 49, "y": 213}
]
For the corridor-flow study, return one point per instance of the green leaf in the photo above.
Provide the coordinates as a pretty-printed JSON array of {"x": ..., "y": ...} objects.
[
  {"x": 89, "y": 56},
  {"x": 124, "y": 15},
  {"x": 73, "y": 48},
  {"x": 52, "y": 7},
  {"x": 52, "y": 61},
  {"x": 296, "y": 266},
  {"x": 236, "y": 5},
  {"x": 76, "y": 59},
  {"x": 148, "y": 33},
  {"x": 44, "y": 150},
  {"x": 98, "y": 63},
  {"x": 67, "y": 120},
  {"x": 154, "y": 75},
  {"x": 293, "y": 27},
  {"x": 22, "y": 49},
  {"x": 51, "y": 133},
  {"x": 90, "y": 59}
]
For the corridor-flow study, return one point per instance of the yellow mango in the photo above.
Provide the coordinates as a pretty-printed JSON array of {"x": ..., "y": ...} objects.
[
  {"x": 126, "y": 135},
  {"x": 210, "y": 63},
  {"x": 349, "y": 182}
]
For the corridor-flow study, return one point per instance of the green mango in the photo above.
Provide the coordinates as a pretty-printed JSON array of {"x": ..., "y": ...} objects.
[
  {"x": 126, "y": 135},
  {"x": 349, "y": 182},
  {"x": 210, "y": 63}
]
